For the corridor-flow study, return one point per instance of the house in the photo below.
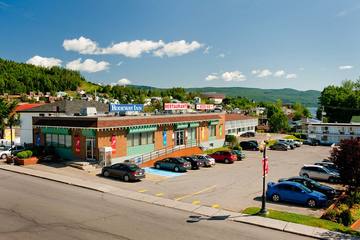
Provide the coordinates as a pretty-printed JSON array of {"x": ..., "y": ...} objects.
[
  {"x": 213, "y": 97},
  {"x": 237, "y": 124}
]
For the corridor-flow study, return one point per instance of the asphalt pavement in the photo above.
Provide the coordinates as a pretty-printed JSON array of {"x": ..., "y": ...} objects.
[{"x": 33, "y": 208}]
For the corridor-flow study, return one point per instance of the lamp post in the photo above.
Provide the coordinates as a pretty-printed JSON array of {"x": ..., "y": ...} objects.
[
  {"x": 8, "y": 121},
  {"x": 263, "y": 210}
]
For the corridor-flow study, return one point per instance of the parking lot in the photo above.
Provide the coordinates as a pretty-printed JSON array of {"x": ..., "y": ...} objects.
[{"x": 227, "y": 186}]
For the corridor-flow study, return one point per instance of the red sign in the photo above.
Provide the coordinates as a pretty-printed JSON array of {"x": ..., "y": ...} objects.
[
  {"x": 265, "y": 165},
  {"x": 204, "y": 106},
  {"x": 77, "y": 144},
  {"x": 175, "y": 106},
  {"x": 113, "y": 143}
]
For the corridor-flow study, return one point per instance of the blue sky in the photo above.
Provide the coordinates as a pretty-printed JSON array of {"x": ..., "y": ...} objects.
[{"x": 190, "y": 43}]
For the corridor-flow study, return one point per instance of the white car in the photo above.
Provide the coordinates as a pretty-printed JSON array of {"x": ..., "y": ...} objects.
[
  {"x": 5, "y": 153},
  {"x": 208, "y": 160}
]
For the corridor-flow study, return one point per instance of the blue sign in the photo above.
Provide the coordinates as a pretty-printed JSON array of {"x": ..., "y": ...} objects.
[
  {"x": 37, "y": 140},
  {"x": 164, "y": 138},
  {"x": 126, "y": 107}
]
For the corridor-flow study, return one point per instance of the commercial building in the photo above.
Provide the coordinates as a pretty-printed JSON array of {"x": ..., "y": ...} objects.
[
  {"x": 82, "y": 137},
  {"x": 237, "y": 124},
  {"x": 329, "y": 133}
]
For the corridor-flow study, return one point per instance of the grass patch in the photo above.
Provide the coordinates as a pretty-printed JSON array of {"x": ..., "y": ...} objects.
[
  {"x": 270, "y": 142},
  {"x": 294, "y": 138},
  {"x": 210, "y": 151},
  {"x": 303, "y": 219}
]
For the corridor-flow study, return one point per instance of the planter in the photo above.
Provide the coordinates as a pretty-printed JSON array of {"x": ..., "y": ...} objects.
[{"x": 26, "y": 161}]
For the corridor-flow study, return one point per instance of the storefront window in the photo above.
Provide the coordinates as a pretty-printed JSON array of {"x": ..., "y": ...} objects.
[
  {"x": 136, "y": 139},
  {"x": 61, "y": 140},
  {"x": 54, "y": 139},
  {"x": 212, "y": 131},
  {"x": 68, "y": 141},
  {"x": 48, "y": 139}
]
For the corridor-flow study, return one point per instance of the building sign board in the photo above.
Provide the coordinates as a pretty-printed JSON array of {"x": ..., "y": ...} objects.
[
  {"x": 126, "y": 107},
  {"x": 77, "y": 144},
  {"x": 205, "y": 107},
  {"x": 175, "y": 106},
  {"x": 113, "y": 144}
]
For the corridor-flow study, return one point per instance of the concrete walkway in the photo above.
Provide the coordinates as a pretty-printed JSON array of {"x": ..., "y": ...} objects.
[{"x": 202, "y": 211}]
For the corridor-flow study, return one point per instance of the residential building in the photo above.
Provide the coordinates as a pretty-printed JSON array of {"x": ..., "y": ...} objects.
[
  {"x": 237, "y": 124},
  {"x": 213, "y": 97}
]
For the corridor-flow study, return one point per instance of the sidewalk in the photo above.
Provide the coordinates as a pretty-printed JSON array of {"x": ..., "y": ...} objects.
[{"x": 211, "y": 213}]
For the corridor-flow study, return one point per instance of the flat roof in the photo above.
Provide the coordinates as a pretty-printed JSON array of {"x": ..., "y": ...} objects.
[
  {"x": 334, "y": 124},
  {"x": 235, "y": 117}
]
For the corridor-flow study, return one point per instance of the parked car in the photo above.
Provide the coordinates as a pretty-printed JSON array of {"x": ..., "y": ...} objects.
[
  {"x": 329, "y": 165},
  {"x": 312, "y": 142},
  {"x": 173, "y": 164},
  {"x": 125, "y": 171},
  {"x": 295, "y": 193},
  {"x": 5, "y": 153},
  {"x": 224, "y": 156},
  {"x": 208, "y": 161},
  {"x": 8, "y": 151},
  {"x": 280, "y": 147},
  {"x": 239, "y": 154},
  {"x": 313, "y": 185},
  {"x": 195, "y": 162},
  {"x": 248, "y": 134},
  {"x": 289, "y": 143},
  {"x": 319, "y": 173},
  {"x": 16, "y": 149},
  {"x": 249, "y": 145}
]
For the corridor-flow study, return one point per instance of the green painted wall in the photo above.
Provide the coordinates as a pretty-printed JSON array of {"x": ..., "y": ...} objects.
[
  {"x": 141, "y": 149},
  {"x": 65, "y": 153}
]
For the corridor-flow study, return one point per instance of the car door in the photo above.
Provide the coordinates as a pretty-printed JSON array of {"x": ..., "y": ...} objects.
[
  {"x": 297, "y": 195},
  {"x": 284, "y": 192},
  {"x": 170, "y": 164},
  {"x": 323, "y": 175},
  {"x": 116, "y": 170}
]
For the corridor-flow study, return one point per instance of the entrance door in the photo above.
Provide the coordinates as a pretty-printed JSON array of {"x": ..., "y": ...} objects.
[
  {"x": 179, "y": 137},
  {"x": 90, "y": 146}
]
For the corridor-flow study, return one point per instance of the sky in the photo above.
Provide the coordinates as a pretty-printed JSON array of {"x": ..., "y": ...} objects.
[{"x": 304, "y": 45}]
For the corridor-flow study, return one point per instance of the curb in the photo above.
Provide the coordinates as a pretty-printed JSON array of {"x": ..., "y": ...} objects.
[{"x": 274, "y": 224}]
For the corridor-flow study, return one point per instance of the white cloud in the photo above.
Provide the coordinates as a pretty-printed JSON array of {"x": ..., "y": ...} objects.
[
  {"x": 279, "y": 73},
  {"x": 44, "y": 61},
  {"x": 254, "y": 72},
  {"x": 211, "y": 77},
  {"x": 124, "y": 81},
  {"x": 207, "y": 49},
  {"x": 233, "y": 76},
  {"x": 82, "y": 45},
  {"x": 221, "y": 55},
  {"x": 291, "y": 76},
  {"x": 89, "y": 65},
  {"x": 119, "y": 63},
  {"x": 264, "y": 73},
  {"x": 346, "y": 67},
  {"x": 132, "y": 49},
  {"x": 177, "y": 48}
]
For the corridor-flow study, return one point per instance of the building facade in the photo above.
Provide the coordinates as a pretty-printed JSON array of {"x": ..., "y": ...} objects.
[
  {"x": 82, "y": 137},
  {"x": 237, "y": 124},
  {"x": 329, "y": 133}
]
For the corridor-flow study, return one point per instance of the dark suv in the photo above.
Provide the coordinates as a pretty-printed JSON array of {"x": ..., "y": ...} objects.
[{"x": 249, "y": 145}]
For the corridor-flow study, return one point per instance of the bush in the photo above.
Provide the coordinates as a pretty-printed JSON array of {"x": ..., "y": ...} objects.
[
  {"x": 29, "y": 153},
  {"x": 24, "y": 154},
  {"x": 346, "y": 217},
  {"x": 237, "y": 147},
  {"x": 231, "y": 139},
  {"x": 331, "y": 215}
]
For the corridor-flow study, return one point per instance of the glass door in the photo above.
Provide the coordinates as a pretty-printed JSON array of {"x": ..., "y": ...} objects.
[
  {"x": 90, "y": 146},
  {"x": 179, "y": 137}
]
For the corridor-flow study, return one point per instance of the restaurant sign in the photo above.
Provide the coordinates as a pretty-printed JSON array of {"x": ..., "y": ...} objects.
[{"x": 175, "y": 106}]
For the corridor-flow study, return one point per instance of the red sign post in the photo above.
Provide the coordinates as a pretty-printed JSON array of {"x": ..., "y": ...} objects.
[{"x": 265, "y": 163}]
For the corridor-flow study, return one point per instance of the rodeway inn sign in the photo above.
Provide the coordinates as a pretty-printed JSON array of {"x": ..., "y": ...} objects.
[{"x": 126, "y": 107}]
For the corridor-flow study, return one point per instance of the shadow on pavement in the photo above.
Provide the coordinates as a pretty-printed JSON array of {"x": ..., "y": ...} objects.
[{"x": 195, "y": 219}]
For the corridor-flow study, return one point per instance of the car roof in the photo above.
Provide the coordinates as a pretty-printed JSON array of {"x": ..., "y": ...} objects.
[
  {"x": 313, "y": 165},
  {"x": 290, "y": 183}
]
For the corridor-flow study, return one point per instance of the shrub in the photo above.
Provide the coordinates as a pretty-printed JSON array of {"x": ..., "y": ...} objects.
[
  {"x": 237, "y": 147},
  {"x": 346, "y": 217},
  {"x": 22, "y": 155},
  {"x": 331, "y": 215},
  {"x": 29, "y": 153}
]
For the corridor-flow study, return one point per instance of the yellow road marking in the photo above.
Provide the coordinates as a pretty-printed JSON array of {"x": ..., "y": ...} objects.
[
  {"x": 196, "y": 202},
  {"x": 195, "y": 193},
  {"x": 142, "y": 190},
  {"x": 215, "y": 206},
  {"x": 160, "y": 194}
]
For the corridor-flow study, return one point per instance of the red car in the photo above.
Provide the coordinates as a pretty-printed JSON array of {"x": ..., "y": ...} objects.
[{"x": 224, "y": 156}]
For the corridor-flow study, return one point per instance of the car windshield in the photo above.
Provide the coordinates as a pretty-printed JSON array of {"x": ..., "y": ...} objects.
[
  {"x": 315, "y": 183},
  {"x": 305, "y": 189},
  {"x": 133, "y": 167},
  {"x": 181, "y": 160}
]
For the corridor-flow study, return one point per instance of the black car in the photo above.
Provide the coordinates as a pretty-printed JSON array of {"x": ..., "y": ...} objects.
[
  {"x": 195, "y": 162},
  {"x": 173, "y": 164},
  {"x": 249, "y": 145},
  {"x": 248, "y": 134},
  {"x": 312, "y": 142},
  {"x": 279, "y": 147},
  {"x": 313, "y": 185},
  {"x": 125, "y": 171}
]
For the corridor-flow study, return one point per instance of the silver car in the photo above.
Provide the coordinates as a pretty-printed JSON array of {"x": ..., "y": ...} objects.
[{"x": 319, "y": 173}]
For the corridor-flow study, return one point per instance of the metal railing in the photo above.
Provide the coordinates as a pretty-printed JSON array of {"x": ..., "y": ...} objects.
[{"x": 161, "y": 152}]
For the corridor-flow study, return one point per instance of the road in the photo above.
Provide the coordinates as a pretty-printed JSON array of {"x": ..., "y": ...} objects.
[{"x": 33, "y": 208}]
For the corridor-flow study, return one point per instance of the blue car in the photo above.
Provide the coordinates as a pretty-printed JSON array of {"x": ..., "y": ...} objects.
[{"x": 295, "y": 193}]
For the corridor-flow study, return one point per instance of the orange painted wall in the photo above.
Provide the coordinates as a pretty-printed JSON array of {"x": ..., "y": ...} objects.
[{"x": 104, "y": 140}]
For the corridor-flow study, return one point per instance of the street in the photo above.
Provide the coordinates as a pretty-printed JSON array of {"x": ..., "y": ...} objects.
[{"x": 33, "y": 208}]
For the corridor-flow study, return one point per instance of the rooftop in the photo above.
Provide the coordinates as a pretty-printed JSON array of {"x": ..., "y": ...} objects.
[{"x": 234, "y": 117}]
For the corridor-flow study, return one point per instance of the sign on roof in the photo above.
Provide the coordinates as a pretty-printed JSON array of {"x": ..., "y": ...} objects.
[
  {"x": 204, "y": 106},
  {"x": 126, "y": 107},
  {"x": 175, "y": 106}
]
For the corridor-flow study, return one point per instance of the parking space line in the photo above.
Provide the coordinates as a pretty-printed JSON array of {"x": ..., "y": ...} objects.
[
  {"x": 215, "y": 206},
  {"x": 159, "y": 194},
  {"x": 195, "y": 193},
  {"x": 142, "y": 190},
  {"x": 196, "y": 202}
]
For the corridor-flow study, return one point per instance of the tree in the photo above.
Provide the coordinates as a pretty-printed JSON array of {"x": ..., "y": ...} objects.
[
  {"x": 278, "y": 122},
  {"x": 346, "y": 157},
  {"x": 7, "y": 112}
]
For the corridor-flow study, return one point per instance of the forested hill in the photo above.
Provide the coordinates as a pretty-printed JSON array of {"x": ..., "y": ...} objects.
[
  {"x": 18, "y": 78},
  {"x": 287, "y": 95}
]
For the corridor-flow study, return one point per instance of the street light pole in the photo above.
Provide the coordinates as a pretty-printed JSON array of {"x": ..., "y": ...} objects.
[{"x": 263, "y": 210}]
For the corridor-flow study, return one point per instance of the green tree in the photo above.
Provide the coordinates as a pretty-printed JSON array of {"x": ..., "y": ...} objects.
[{"x": 278, "y": 122}]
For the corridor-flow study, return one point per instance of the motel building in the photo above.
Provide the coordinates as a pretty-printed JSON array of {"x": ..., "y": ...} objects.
[{"x": 127, "y": 137}]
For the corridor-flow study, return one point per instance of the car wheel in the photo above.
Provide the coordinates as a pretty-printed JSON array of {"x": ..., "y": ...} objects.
[
  {"x": 126, "y": 178},
  {"x": 157, "y": 166},
  {"x": 311, "y": 203},
  {"x": 275, "y": 198},
  {"x": 4, "y": 156},
  {"x": 106, "y": 173},
  {"x": 176, "y": 169},
  {"x": 226, "y": 160},
  {"x": 306, "y": 175}
]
